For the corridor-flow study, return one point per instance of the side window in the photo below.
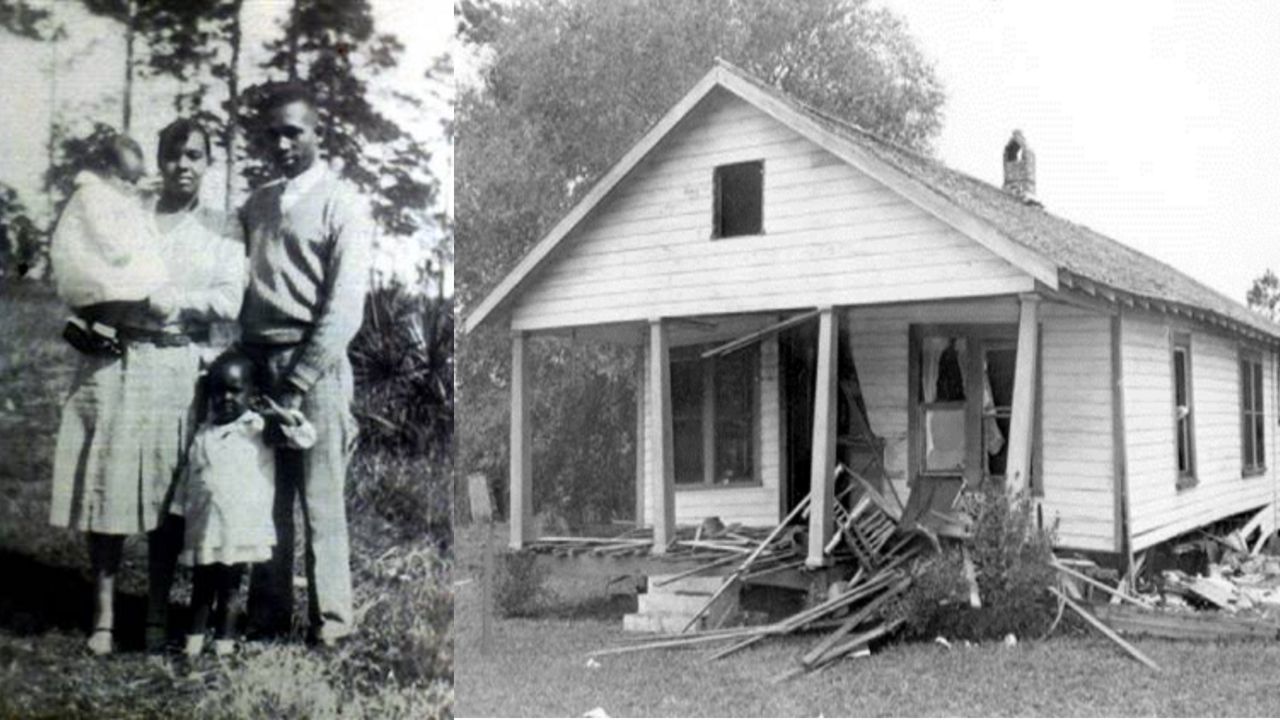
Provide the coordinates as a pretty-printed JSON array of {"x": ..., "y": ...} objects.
[
  {"x": 739, "y": 200},
  {"x": 1252, "y": 424},
  {"x": 1184, "y": 421}
]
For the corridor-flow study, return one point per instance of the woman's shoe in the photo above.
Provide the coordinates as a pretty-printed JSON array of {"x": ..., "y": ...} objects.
[
  {"x": 194, "y": 646},
  {"x": 224, "y": 647},
  {"x": 101, "y": 642}
]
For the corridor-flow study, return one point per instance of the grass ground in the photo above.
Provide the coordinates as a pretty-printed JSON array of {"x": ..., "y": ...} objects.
[
  {"x": 538, "y": 667},
  {"x": 399, "y": 665}
]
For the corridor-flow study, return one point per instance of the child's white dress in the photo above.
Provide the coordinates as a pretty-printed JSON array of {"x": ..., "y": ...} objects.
[
  {"x": 227, "y": 489},
  {"x": 106, "y": 246}
]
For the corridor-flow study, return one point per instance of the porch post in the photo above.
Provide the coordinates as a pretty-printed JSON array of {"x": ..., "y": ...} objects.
[
  {"x": 664, "y": 469},
  {"x": 822, "y": 469},
  {"x": 521, "y": 487},
  {"x": 1021, "y": 424},
  {"x": 639, "y": 441}
]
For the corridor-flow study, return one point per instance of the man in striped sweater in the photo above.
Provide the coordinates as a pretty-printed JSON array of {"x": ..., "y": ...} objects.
[{"x": 310, "y": 236}]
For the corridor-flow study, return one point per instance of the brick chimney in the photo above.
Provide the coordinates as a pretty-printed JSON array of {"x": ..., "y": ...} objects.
[{"x": 1020, "y": 169}]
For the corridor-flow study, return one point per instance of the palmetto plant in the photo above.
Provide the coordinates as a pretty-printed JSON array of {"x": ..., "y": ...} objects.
[{"x": 403, "y": 360}]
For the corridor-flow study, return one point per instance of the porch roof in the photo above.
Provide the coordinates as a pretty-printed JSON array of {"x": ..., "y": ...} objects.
[{"x": 1051, "y": 249}]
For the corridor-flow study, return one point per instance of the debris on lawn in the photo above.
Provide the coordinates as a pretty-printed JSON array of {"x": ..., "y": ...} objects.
[
  {"x": 874, "y": 554},
  {"x": 1189, "y": 596},
  {"x": 876, "y": 550}
]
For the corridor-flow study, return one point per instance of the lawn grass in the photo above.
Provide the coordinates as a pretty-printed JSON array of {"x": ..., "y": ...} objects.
[
  {"x": 538, "y": 667},
  {"x": 398, "y": 665}
]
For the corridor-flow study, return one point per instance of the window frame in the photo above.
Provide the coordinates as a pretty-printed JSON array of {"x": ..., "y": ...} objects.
[
  {"x": 717, "y": 200},
  {"x": 711, "y": 420},
  {"x": 1253, "y": 416},
  {"x": 979, "y": 336},
  {"x": 1180, "y": 343}
]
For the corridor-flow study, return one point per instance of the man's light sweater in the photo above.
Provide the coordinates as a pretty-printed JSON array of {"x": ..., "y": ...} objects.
[{"x": 310, "y": 243}]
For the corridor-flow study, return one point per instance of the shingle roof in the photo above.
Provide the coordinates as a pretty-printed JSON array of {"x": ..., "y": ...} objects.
[{"x": 1076, "y": 249}]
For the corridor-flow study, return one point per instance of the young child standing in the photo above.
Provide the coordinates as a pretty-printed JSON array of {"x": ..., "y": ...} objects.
[{"x": 226, "y": 494}]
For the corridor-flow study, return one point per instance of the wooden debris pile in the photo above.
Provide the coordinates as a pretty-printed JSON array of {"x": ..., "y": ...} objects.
[
  {"x": 717, "y": 548},
  {"x": 868, "y": 542},
  {"x": 1235, "y": 598}
]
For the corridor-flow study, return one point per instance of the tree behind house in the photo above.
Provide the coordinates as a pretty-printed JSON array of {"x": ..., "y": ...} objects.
[
  {"x": 567, "y": 87},
  {"x": 1264, "y": 294}
]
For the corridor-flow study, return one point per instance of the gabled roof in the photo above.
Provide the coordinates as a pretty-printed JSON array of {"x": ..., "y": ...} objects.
[{"x": 1052, "y": 250}]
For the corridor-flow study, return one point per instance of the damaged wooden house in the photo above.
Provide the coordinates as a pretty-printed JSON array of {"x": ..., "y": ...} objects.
[{"x": 807, "y": 294}]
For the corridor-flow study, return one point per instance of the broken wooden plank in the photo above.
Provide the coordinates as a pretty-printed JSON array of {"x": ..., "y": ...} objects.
[
  {"x": 894, "y": 513},
  {"x": 1100, "y": 585},
  {"x": 862, "y": 639},
  {"x": 970, "y": 577},
  {"x": 854, "y": 644},
  {"x": 697, "y": 570},
  {"x": 1262, "y": 540},
  {"x": 752, "y": 337},
  {"x": 813, "y": 656},
  {"x": 1203, "y": 626},
  {"x": 1255, "y": 522},
  {"x": 746, "y": 563},
  {"x": 1102, "y": 628},
  {"x": 1216, "y": 593}
]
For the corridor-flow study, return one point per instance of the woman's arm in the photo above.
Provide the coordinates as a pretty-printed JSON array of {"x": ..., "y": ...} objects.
[{"x": 220, "y": 297}]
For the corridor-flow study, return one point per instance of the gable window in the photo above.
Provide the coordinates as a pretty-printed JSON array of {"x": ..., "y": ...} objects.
[
  {"x": 1252, "y": 427},
  {"x": 1184, "y": 422},
  {"x": 739, "y": 200},
  {"x": 713, "y": 412}
]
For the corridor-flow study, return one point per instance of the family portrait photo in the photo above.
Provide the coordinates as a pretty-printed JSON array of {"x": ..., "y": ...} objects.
[{"x": 227, "y": 359}]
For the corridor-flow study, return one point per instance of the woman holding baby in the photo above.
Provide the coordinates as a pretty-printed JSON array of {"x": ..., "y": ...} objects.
[{"x": 148, "y": 280}]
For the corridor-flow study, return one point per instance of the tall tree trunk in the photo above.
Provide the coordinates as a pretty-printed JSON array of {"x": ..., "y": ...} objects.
[
  {"x": 128, "y": 66},
  {"x": 292, "y": 35},
  {"x": 53, "y": 116},
  {"x": 233, "y": 106}
]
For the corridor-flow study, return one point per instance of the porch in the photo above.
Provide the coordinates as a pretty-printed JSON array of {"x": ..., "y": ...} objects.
[{"x": 697, "y": 464}]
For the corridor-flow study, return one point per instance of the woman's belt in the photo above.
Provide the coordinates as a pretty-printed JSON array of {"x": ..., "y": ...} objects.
[{"x": 162, "y": 338}]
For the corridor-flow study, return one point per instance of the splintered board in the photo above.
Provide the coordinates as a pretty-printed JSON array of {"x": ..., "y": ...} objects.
[{"x": 1207, "y": 626}]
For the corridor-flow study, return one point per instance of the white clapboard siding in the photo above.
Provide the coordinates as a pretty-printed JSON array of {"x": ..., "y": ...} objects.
[
  {"x": 1158, "y": 510},
  {"x": 832, "y": 236},
  {"x": 756, "y": 505},
  {"x": 878, "y": 338},
  {"x": 1077, "y": 445},
  {"x": 1078, "y": 461}
]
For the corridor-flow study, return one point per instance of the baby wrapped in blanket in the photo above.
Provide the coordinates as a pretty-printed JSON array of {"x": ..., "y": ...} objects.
[{"x": 104, "y": 250}]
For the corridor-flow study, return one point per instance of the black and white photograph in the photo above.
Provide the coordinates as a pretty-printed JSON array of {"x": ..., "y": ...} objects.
[
  {"x": 226, "y": 359},
  {"x": 867, "y": 358}
]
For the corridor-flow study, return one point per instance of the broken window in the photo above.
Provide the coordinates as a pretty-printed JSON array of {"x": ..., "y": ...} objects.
[
  {"x": 957, "y": 390},
  {"x": 942, "y": 391},
  {"x": 1252, "y": 426},
  {"x": 997, "y": 405},
  {"x": 713, "y": 411},
  {"x": 739, "y": 200},
  {"x": 1184, "y": 423}
]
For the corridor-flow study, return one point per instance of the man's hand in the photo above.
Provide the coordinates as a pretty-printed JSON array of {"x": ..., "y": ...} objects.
[{"x": 274, "y": 410}]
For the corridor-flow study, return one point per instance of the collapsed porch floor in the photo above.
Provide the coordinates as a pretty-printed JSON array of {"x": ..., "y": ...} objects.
[{"x": 630, "y": 554}]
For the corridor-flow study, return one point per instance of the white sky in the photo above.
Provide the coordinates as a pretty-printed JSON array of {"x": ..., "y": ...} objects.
[{"x": 1155, "y": 123}]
